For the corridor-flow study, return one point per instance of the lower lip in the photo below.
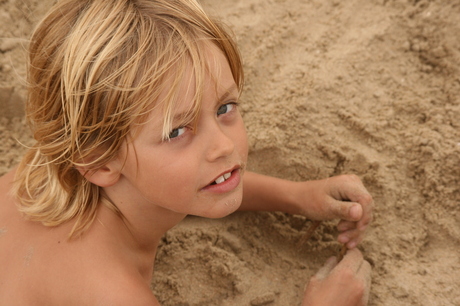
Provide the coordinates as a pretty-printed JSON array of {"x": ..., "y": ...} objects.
[{"x": 230, "y": 184}]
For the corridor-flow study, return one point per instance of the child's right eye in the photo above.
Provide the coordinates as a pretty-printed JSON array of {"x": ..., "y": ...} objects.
[{"x": 177, "y": 132}]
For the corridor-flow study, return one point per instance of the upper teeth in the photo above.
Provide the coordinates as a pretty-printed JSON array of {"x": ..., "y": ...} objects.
[{"x": 222, "y": 178}]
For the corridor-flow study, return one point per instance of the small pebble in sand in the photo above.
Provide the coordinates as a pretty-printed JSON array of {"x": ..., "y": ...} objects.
[{"x": 263, "y": 299}]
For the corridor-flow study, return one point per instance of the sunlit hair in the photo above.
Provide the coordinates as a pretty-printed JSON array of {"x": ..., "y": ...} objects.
[{"x": 96, "y": 70}]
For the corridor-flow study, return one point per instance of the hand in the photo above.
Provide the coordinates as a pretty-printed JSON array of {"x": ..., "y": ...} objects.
[
  {"x": 341, "y": 197},
  {"x": 346, "y": 283}
]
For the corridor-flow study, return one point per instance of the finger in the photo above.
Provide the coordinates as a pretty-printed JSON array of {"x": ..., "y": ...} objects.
[
  {"x": 353, "y": 243},
  {"x": 364, "y": 274},
  {"x": 365, "y": 221},
  {"x": 345, "y": 225},
  {"x": 351, "y": 237},
  {"x": 367, "y": 204},
  {"x": 324, "y": 271},
  {"x": 348, "y": 211},
  {"x": 358, "y": 193},
  {"x": 353, "y": 260}
]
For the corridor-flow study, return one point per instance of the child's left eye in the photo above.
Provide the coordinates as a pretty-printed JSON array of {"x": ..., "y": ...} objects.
[{"x": 225, "y": 108}]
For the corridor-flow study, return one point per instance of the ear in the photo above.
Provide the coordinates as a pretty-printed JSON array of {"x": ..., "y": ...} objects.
[{"x": 105, "y": 176}]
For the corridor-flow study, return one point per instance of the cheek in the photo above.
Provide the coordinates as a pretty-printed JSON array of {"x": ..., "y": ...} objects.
[
  {"x": 170, "y": 187},
  {"x": 176, "y": 176},
  {"x": 243, "y": 142}
]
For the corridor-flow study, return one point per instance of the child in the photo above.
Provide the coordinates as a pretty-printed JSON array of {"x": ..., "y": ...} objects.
[{"x": 133, "y": 106}]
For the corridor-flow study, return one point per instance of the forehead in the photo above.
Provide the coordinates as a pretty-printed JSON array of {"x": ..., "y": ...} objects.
[{"x": 186, "y": 87}]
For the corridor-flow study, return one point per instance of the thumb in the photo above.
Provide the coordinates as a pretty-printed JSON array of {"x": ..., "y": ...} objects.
[
  {"x": 349, "y": 211},
  {"x": 324, "y": 271}
]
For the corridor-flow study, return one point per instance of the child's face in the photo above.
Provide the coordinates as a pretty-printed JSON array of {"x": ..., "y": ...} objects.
[{"x": 181, "y": 174}]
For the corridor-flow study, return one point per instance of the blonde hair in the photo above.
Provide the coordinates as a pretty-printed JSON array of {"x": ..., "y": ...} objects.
[{"x": 96, "y": 69}]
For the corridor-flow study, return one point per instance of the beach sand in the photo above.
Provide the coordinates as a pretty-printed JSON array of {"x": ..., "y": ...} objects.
[{"x": 370, "y": 87}]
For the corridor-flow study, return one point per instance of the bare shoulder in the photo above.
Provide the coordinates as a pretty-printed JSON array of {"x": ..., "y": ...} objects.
[
  {"x": 8, "y": 176},
  {"x": 125, "y": 291},
  {"x": 8, "y": 209},
  {"x": 6, "y": 182},
  {"x": 54, "y": 271}
]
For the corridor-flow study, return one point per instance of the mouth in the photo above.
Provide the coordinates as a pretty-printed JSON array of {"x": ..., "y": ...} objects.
[
  {"x": 225, "y": 182},
  {"x": 222, "y": 178}
]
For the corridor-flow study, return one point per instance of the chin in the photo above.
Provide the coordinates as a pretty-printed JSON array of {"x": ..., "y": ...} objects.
[{"x": 224, "y": 208}]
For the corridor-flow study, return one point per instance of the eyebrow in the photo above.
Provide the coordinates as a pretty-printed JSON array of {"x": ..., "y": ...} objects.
[
  {"x": 228, "y": 92},
  {"x": 181, "y": 116}
]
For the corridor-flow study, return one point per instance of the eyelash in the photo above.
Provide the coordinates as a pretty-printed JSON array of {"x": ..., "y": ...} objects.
[{"x": 233, "y": 104}]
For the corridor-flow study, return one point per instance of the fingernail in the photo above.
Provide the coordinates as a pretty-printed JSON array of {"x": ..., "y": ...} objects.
[
  {"x": 351, "y": 245},
  {"x": 343, "y": 239},
  {"x": 355, "y": 212}
]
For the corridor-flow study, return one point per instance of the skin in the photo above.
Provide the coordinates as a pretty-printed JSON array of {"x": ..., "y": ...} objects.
[
  {"x": 155, "y": 184},
  {"x": 346, "y": 283}
]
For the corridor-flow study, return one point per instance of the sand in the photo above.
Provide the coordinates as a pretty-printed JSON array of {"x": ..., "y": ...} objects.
[{"x": 370, "y": 87}]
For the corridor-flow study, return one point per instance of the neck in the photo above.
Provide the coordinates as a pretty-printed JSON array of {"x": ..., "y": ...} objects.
[{"x": 138, "y": 231}]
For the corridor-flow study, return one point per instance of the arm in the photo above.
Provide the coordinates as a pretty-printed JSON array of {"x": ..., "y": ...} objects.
[
  {"x": 266, "y": 193},
  {"x": 342, "y": 197}
]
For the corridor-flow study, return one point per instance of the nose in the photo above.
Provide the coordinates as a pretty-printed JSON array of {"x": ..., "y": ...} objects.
[{"x": 220, "y": 144}]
